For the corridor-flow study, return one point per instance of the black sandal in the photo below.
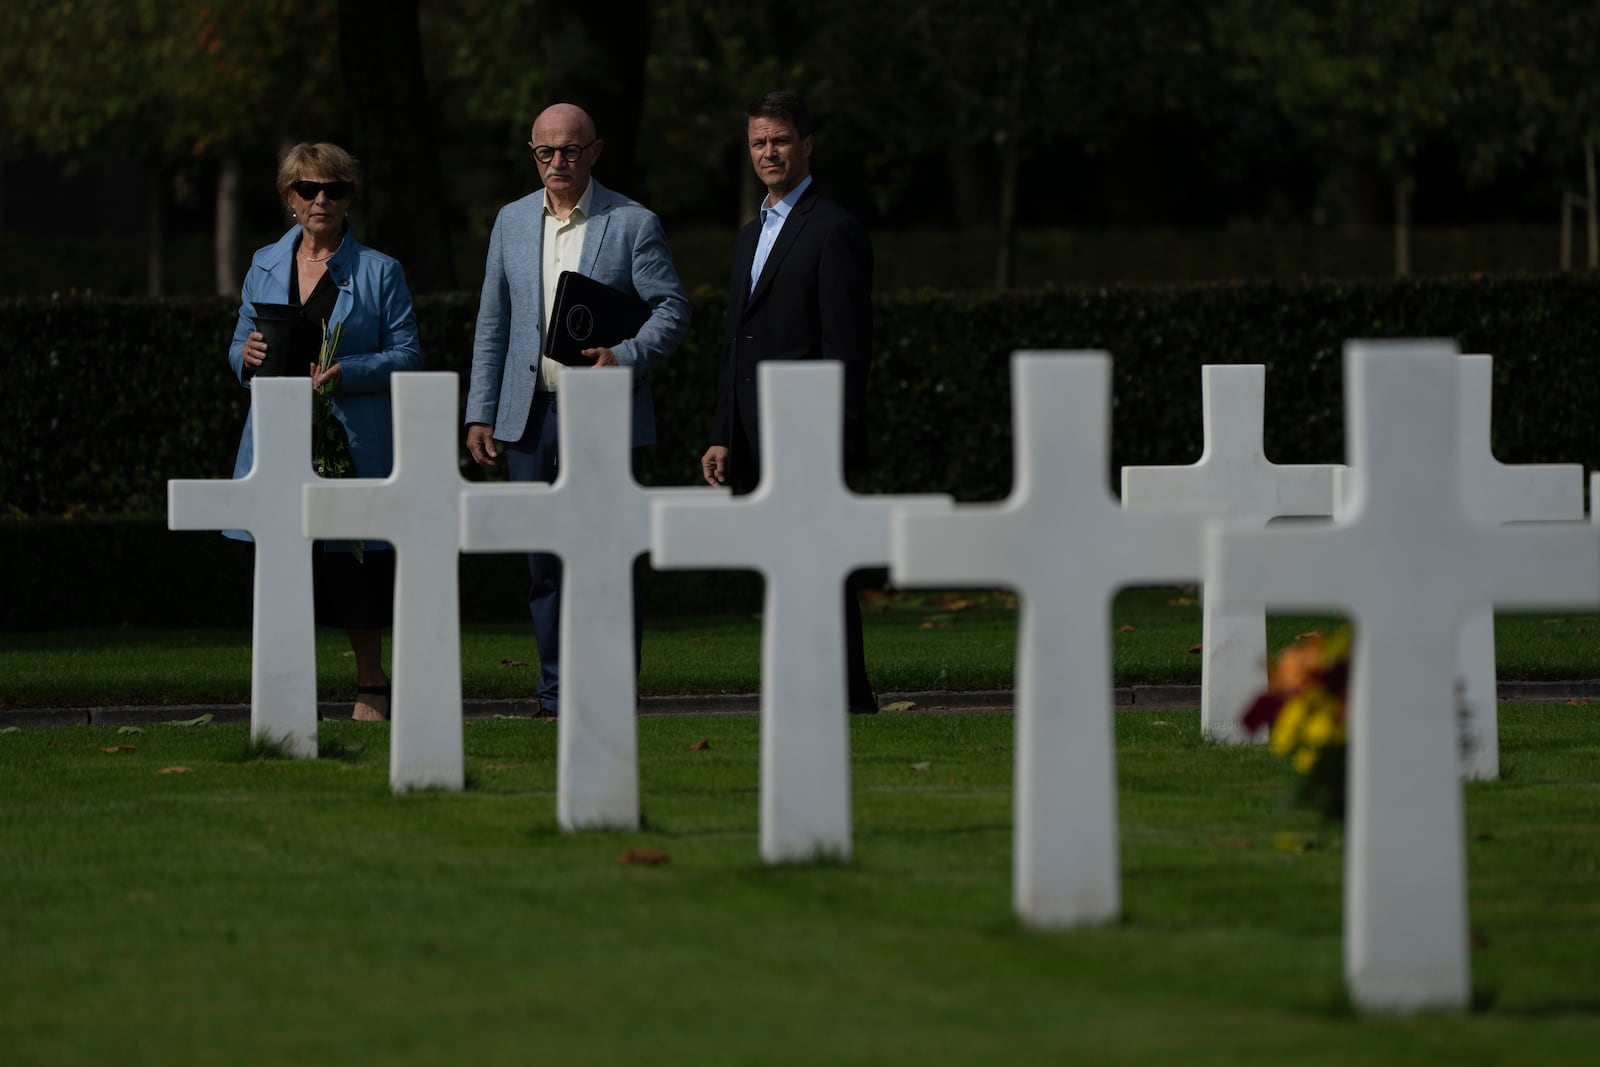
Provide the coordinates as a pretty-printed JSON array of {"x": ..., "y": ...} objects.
[{"x": 376, "y": 691}]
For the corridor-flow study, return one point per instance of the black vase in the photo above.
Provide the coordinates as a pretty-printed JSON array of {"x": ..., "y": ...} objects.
[{"x": 275, "y": 323}]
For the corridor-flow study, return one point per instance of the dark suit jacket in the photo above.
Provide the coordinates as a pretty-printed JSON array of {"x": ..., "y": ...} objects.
[{"x": 812, "y": 301}]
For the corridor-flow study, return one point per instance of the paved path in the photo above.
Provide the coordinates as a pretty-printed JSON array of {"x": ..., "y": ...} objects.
[{"x": 1127, "y": 698}]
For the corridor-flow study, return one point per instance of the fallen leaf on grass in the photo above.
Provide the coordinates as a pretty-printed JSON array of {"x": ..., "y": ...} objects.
[
  {"x": 1126, "y": 629},
  {"x": 645, "y": 857},
  {"x": 1308, "y": 635},
  {"x": 899, "y": 705},
  {"x": 130, "y": 729},
  {"x": 1194, "y": 648},
  {"x": 922, "y": 766},
  {"x": 700, "y": 745},
  {"x": 11, "y": 730},
  {"x": 513, "y": 663},
  {"x": 697, "y": 640},
  {"x": 1180, "y": 602},
  {"x": 119, "y": 748},
  {"x": 198, "y": 721},
  {"x": 1287, "y": 842},
  {"x": 175, "y": 770},
  {"x": 1577, "y": 701},
  {"x": 958, "y": 605}
]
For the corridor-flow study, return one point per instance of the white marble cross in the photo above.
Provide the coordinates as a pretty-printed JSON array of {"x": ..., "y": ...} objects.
[
  {"x": 417, "y": 509},
  {"x": 806, "y": 532},
  {"x": 266, "y": 503},
  {"x": 1410, "y": 564},
  {"x": 1235, "y": 481},
  {"x": 1065, "y": 544},
  {"x": 1496, "y": 493},
  {"x": 597, "y": 519}
]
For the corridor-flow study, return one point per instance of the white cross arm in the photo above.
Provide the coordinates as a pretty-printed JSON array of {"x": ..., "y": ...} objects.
[
  {"x": 268, "y": 497},
  {"x": 1495, "y": 492}
]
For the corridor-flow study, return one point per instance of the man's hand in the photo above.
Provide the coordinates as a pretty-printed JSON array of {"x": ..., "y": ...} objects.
[
  {"x": 603, "y": 357},
  {"x": 480, "y": 442},
  {"x": 714, "y": 465}
]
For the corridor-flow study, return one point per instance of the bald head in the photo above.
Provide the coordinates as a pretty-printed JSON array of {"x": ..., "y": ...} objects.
[{"x": 564, "y": 119}]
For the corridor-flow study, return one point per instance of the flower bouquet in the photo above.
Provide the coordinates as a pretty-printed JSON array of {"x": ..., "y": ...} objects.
[
  {"x": 330, "y": 443},
  {"x": 1304, "y": 708}
]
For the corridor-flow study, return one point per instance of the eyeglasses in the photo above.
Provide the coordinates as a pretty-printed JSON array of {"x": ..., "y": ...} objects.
[
  {"x": 570, "y": 152},
  {"x": 308, "y": 191}
]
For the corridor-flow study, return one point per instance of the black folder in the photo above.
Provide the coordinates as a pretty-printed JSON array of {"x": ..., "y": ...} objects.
[{"x": 589, "y": 314}]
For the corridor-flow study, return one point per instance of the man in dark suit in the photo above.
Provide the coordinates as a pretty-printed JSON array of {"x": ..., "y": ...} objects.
[{"x": 801, "y": 289}]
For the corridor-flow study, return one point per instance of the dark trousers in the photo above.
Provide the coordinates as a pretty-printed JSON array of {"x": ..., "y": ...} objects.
[
  {"x": 536, "y": 458},
  {"x": 746, "y": 476},
  {"x": 855, "y": 653}
]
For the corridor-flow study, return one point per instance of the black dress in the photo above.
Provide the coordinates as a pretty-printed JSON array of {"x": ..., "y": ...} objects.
[{"x": 348, "y": 593}]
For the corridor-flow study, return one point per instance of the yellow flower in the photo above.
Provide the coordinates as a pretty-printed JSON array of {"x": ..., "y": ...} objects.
[
  {"x": 1286, "y": 730},
  {"x": 1323, "y": 725},
  {"x": 1305, "y": 759}
]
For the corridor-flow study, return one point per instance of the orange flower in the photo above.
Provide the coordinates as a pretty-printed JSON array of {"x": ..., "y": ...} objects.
[{"x": 1296, "y": 665}]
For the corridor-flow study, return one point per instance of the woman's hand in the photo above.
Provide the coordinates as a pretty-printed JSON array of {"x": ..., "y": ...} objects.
[
  {"x": 319, "y": 381},
  {"x": 255, "y": 353}
]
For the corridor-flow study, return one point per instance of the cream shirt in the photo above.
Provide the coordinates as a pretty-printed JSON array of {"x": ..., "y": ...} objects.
[{"x": 563, "y": 247}]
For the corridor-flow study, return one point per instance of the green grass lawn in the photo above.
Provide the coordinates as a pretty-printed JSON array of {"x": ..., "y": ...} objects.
[
  {"x": 248, "y": 911},
  {"x": 915, "y": 642}
]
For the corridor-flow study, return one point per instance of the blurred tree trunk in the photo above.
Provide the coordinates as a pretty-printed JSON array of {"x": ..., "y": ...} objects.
[
  {"x": 1402, "y": 227},
  {"x": 402, "y": 199},
  {"x": 1009, "y": 149},
  {"x": 964, "y": 202},
  {"x": 595, "y": 57},
  {"x": 227, "y": 227},
  {"x": 1594, "y": 208},
  {"x": 155, "y": 187}
]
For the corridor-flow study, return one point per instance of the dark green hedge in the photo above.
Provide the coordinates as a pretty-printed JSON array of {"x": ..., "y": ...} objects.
[
  {"x": 105, "y": 400},
  {"x": 63, "y": 573}
]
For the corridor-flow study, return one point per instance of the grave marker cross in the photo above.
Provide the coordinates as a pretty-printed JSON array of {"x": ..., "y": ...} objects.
[
  {"x": 266, "y": 503},
  {"x": 1410, "y": 564},
  {"x": 417, "y": 509},
  {"x": 1065, "y": 544},
  {"x": 1232, "y": 480},
  {"x": 597, "y": 518},
  {"x": 806, "y": 532},
  {"x": 1496, "y": 493}
]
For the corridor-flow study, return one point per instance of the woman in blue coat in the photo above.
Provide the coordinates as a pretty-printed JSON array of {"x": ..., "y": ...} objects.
[{"x": 336, "y": 280}]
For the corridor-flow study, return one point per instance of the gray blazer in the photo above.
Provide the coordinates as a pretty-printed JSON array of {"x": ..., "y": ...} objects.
[{"x": 623, "y": 246}]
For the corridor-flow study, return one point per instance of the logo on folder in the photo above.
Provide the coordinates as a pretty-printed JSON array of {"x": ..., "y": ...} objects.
[{"x": 580, "y": 322}]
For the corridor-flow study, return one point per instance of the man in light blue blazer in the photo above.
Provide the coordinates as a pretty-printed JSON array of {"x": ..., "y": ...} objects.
[{"x": 573, "y": 223}]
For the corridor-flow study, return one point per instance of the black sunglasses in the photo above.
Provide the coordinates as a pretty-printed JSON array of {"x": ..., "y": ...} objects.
[{"x": 308, "y": 191}]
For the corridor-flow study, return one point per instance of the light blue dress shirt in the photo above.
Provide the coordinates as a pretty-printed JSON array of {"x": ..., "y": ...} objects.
[{"x": 772, "y": 219}]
